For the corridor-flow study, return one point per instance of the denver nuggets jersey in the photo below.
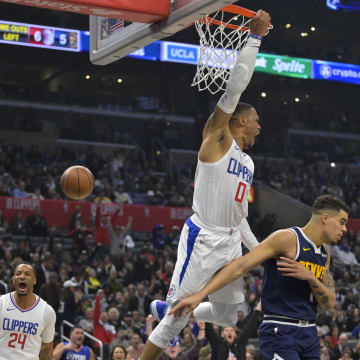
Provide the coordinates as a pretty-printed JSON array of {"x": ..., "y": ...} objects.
[
  {"x": 221, "y": 188},
  {"x": 288, "y": 296},
  {"x": 23, "y": 331}
]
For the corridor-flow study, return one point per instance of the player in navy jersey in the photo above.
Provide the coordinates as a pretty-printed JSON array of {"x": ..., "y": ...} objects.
[
  {"x": 297, "y": 279},
  {"x": 74, "y": 349}
]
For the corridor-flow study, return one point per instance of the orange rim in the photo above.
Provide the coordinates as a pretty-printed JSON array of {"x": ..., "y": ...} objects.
[{"x": 234, "y": 9}]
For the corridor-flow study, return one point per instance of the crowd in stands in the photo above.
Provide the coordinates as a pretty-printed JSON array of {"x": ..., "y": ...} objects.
[
  {"x": 35, "y": 174},
  {"x": 123, "y": 177},
  {"x": 305, "y": 181},
  {"x": 105, "y": 280}
]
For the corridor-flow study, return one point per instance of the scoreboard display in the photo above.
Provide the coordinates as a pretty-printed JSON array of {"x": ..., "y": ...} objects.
[{"x": 39, "y": 36}]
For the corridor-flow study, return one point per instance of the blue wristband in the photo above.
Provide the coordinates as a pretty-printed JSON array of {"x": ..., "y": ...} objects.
[{"x": 256, "y": 36}]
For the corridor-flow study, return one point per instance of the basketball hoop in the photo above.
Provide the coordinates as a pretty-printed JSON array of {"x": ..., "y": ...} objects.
[{"x": 222, "y": 36}]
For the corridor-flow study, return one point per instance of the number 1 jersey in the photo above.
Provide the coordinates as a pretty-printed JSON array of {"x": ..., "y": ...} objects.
[{"x": 23, "y": 330}]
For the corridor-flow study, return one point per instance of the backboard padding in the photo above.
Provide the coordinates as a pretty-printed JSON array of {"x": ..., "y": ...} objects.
[{"x": 138, "y": 35}]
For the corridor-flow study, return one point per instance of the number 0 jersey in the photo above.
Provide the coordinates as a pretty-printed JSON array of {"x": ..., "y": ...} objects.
[
  {"x": 221, "y": 189},
  {"x": 23, "y": 330}
]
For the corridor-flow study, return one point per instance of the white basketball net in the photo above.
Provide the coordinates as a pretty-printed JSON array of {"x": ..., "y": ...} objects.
[{"x": 219, "y": 48}]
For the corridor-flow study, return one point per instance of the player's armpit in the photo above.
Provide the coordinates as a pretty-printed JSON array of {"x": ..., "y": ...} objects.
[
  {"x": 46, "y": 352},
  {"x": 217, "y": 138}
]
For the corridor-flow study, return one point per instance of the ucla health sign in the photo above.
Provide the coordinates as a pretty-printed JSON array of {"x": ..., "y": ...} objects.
[
  {"x": 179, "y": 53},
  {"x": 326, "y": 70}
]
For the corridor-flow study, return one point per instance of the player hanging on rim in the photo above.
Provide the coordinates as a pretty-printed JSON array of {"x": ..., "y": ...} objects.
[
  {"x": 297, "y": 279},
  {"x": 27, "y": 323},
  {"x": 212, "y": 237}
]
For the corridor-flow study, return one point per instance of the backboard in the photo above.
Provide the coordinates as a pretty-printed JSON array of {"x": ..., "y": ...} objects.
[{"x": 112, "y": 40}]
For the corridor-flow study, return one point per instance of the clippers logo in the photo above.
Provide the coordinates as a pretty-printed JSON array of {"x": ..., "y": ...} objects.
[
  {"x": 325, "y": 71},
  {"x": 172, "y": 291}
]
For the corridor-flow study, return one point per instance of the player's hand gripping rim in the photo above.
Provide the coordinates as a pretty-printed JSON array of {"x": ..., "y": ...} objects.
[{"x": 260, "y": 24}]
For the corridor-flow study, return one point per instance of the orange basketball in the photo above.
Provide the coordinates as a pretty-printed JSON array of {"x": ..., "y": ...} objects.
[{"x": 77, "y": 182}]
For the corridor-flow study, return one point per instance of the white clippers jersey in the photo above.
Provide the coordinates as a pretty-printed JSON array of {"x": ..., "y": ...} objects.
[
  {"x": 23, "y": 331},
  {"x": 221, "y": 188}
]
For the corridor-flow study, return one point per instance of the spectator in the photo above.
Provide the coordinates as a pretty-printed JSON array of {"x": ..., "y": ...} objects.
[
  {"x": 18, "y": 225},
  {"x": 119, "y": 353},
  {"x": 79, "y": 280},
  {"x": 142, "y": 267},
  {"x": 174, "y": 236},
  {"x": 3, "y": 222},
  {"x": 74, "y": 349},
  {"x": 87, "y": 322},
  {"x": 160, "y": 238},
  {"x": 69, "y": 302},
  {"x": 350, "y": 300},
  {"x": 50, "y": 291},
  {"x": 341, "y": 346},
  {"x": 121, "y": 196},
  {"x": 118, "y": 244},
  {"x": 334, "y": 336},
  {"x": 102, "y": 330},
  {"x": 93, "y": 284},
  {"x": 175, "y": 351},
  {"x": 114, "y": 318},
  {"x": 140, "y": 301},
  {"x": 43, "y": 271},
  {"x": 78, "y": 234},
  {"x": 136, "y": 348},
  {"x": 345, "y": 254},
  {"x": 19, "y": 191},
  {"x": 22, "y": 250},
  {"x": 102, "y": 198},
  {"x": 230, "y": 345},
  {"x": 36, "y": 224},
  {"x": 37, "y": 194},
  {"x": 353, "y": 319},
  {"x": 103, "y": 223},
  {"x": 76, "y": 216}
]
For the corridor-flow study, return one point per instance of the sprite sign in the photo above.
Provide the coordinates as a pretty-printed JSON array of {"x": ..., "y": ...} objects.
[{"x": 284, "y": 66}]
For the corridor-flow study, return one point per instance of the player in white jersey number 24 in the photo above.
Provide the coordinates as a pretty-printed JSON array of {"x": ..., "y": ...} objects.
[
  {"x": 27, "y": 323},
  {"x": 212, "y": 237}
]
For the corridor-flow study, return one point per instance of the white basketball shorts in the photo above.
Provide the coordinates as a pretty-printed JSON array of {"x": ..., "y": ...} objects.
[{"x": 201, "y": 253}]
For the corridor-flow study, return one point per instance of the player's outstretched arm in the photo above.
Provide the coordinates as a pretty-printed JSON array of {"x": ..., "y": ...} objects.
[
  {"x": 247, "y": 236},
  {"x": 46, "y": 352},
  {"x": 217, "y": 138},
  {"x": 280, "y": 242}
]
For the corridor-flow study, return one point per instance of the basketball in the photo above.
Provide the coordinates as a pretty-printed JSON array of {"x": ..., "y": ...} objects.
[{"x": 77, "y": 182}]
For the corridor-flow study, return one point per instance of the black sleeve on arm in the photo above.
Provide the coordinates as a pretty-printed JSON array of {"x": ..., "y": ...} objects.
[
  {"x": 253, "y": 322},
  {"x": 212, "y": 337}
]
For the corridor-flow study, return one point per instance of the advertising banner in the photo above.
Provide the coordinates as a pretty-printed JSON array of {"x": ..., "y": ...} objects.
[
  {"x": 58, "y": 212},
  {"x": 326, "y": 70},
  {"x": 284, "y": 66}
]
